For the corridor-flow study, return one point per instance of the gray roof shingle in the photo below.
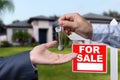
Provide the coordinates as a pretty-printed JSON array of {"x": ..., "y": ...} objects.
[
  {"x": 20, "y": 24},
  {"x": 42, "y": 18},
  {"x": 96, "y": 18}
]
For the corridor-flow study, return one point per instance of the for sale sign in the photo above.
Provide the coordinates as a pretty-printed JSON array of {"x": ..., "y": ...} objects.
[{"x": 90, "y": 58}]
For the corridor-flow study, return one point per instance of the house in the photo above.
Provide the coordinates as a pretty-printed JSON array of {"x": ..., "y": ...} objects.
[
  {"x": 39, "y": 27},
  {"x": 42, "y": 30},
  {"x": 16, "y": 26}
]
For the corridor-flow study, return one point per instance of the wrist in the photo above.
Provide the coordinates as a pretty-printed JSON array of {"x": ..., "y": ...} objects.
[{"x": 32, "y": 58}]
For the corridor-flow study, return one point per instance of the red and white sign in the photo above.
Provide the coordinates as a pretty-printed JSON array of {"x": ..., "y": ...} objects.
[{"x": 91, "y": 58}]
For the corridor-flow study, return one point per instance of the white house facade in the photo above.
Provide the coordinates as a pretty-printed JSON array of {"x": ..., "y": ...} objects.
[
  {"x": 40, "y": 28},
  {"x": 42, "y": 31}
]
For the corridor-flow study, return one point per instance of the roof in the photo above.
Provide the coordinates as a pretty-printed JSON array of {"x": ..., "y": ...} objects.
[
  {"x": 20, "y": 24},
  {"x": 43, "y": 18},
  {"x": 96, "y": 18},
  {"x": 27, "y": 23}
]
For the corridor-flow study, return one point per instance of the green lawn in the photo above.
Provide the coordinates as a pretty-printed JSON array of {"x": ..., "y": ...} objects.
[{"x": 60, "y": 72}]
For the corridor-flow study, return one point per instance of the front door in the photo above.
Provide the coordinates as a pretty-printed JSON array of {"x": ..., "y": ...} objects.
[{"x": 43, "y": 35}]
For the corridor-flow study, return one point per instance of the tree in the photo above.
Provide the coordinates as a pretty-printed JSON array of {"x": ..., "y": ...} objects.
[
  {"x": 22, "y": 37},
  {"x": 110, "y": 13},
  {"x": 6, "y": 5}
]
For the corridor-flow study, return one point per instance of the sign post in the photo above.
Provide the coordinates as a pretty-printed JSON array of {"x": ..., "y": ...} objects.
[
  {"x": 113, "y": 63},
  {"x": 91, "y": 58},
  {"x": 113, "y": 57}
]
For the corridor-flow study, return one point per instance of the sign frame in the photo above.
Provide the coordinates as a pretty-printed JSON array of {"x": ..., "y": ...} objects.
[{"x": 90, "y": 71}]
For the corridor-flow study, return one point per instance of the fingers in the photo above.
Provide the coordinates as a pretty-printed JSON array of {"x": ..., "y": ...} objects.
[
  {"x": 64, "y": 17},
  {"x": 51, "y": 44},
  {"x": 63, "y": 58},
  {"x": 66, "y": 23},
  {"x": 66, "y": 20},
  {"x": 69, "y": 17},
  {"x": 68, "y": 31},
  {"x": 69, "y": 20}
]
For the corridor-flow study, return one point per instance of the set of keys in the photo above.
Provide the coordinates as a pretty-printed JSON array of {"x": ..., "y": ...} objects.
[
  {"x": 60, "y": 42},
  {"x": 73, "y": 36}
]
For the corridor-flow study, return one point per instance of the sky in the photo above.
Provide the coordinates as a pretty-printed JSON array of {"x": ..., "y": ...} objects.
[{"x": 24, "y": 9}]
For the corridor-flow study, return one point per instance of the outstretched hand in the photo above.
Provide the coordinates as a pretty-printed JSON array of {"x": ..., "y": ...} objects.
[{"x": 41, "y": 55}]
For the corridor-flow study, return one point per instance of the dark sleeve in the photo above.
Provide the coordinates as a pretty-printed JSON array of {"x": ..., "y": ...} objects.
[{"x": 17, "y": 67}]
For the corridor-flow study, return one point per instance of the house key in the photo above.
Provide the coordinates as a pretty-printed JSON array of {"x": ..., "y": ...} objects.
[{"x": 60, "y": 43}]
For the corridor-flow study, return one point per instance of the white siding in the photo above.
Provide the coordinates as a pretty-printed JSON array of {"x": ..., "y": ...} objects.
[
  {"x": 30, "y": 31},
  {"x": 9, "y": 35},
  {"x": 3, "y": 38}
]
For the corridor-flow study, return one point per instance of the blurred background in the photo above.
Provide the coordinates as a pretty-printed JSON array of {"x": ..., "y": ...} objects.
[{"x": 27, "y": 23}]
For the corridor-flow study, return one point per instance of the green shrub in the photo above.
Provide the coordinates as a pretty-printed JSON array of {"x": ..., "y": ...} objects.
[
  {"x": 21, "y": 37},
  {"x": 5, "y": 44}
]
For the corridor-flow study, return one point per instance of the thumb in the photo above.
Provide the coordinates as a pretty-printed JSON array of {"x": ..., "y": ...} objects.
[{"x": 51, "y": 44}]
